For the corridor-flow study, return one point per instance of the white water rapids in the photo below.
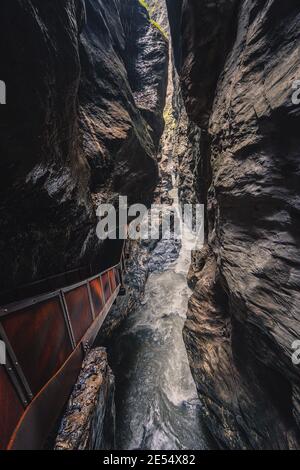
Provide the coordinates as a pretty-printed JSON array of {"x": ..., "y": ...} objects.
[{"x": 156, "y": 398}]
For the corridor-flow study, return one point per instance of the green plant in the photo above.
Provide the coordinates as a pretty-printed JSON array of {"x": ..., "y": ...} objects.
[
  {"x": 157, "y": 25},
  {"x": 145, "y": 5},
  {"x": 153, "y": 22}
]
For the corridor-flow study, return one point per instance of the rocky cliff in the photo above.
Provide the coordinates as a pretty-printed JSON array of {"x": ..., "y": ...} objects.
[
  {"x": 237, "y": 62},
  {"x": 78, "y": 127}
]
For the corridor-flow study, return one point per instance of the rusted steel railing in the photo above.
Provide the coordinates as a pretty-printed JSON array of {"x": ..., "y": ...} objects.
[{"x": 46, "y": 339}]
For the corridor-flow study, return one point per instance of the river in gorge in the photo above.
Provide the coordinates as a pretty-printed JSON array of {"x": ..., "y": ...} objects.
[{"x": 157, "y": 407}]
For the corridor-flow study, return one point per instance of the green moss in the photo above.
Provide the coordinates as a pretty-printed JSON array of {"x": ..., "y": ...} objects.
[
  {"x": 145, "y": 5},
  {"x": 157, "y": 25},
  {"x": 154, "y": 23}
]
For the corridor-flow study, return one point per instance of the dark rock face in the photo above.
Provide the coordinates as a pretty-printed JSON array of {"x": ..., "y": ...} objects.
[
  {"x": 174, "y": 8},
  {"x": 237, "y": 73},
  {"x": 124, "y": 62},
  {"x": 147, "y": 66},
  {"x": 73, "y": 132},
  {"x": 204, "y": 56},
  {"x": 187, "y": 146},
  {"x": 44, "y": 177}
]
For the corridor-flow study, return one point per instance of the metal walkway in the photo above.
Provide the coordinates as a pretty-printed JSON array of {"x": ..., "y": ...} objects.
[{"x": 46, "y": 339}]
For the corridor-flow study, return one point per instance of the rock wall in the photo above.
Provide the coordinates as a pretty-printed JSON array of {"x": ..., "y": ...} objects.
[
  {"x": 44, "y": 175},
  {"x": 76, "y": 129},
  {"x": 186, "y": 149},
  {"x": 237, "y": 62}
]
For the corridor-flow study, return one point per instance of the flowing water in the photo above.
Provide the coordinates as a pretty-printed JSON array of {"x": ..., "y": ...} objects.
[{"x": 156, "y": 398}]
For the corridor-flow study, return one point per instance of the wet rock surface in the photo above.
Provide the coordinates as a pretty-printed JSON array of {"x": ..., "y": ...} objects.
[
  {"x": 89, "y": 421},
  {"x": 244, "y": 314},
  {"x": 134, "y": 279}
]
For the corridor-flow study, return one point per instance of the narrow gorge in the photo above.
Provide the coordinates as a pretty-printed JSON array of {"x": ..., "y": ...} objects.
[{"x": 167, "y": 103}]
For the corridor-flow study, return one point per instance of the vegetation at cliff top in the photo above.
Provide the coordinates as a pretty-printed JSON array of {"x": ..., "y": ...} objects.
[
  {"x": 153, "y": 22},
  {"x": 144, "y": 4}
]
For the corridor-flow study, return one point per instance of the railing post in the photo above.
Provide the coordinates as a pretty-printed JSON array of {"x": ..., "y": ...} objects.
[
  {"x": 122, "y": 269},
  {"x": 91, "y": 300},
  {"x": 65, "y": 310},
  {"x": 15, "y": 372}
]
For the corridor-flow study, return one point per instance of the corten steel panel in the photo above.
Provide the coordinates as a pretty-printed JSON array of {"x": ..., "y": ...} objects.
[
  {"x": 97, "y": 295},
  {"x": 106, "y": 286},
  {"x": 112, "y": 279},
  {"x": 40, "y": 340},
  {"x": 11, "y": 408},
  {"x": 42, "y": 414},
  {"x": 79, "y": 309}
]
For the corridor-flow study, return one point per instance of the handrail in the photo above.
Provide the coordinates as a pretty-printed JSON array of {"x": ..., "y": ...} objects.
[
  {"x": 15, "y": 306},
  {"x": 20, "y": 304},
  {"x": 56, "y": 280}
]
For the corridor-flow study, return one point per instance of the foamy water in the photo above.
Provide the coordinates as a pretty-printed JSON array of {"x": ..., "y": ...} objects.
[{"x": 157, "y": 403}]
